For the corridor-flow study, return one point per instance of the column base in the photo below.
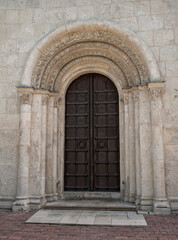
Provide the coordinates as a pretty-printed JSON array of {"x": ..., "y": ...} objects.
[
  {"x": 36, "y": 202},
  {"x": 132, "y": 198},
  {"x": 137, "y": 201},
  {"x": 49, "y": 197},
  {"x": 146, "y": 204},
  {"x": 55, "y": 197},
  {"x": 126, "y": 198},
  {"x": 161, "y": 206},
  {"x": 21, "y": 205}
]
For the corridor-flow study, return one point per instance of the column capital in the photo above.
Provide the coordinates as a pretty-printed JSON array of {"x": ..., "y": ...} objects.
[
  {"x": 126, "y": 96},
  {"x": 156, "y": 89},
  {"x": 56, "y": 101},
  {"x": 25, "y": 95},
  {"x": 45, "y": 99},
  {"x": 135, "y": 94}
]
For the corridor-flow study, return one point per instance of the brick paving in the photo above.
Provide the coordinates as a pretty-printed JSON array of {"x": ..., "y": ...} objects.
[{"x": 13, "y": 226}]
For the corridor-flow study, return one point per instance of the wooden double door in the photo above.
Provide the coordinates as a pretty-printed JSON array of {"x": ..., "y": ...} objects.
[{"x": 92, "y": 135}]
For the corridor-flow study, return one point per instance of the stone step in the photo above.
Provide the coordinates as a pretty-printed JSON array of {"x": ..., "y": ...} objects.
[
  {"x": 91, "y": 195},
  {"x": 110, "y": 205}
]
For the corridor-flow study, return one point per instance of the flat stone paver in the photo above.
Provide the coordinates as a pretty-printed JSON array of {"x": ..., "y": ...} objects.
[{"x": 84, "y": 217}]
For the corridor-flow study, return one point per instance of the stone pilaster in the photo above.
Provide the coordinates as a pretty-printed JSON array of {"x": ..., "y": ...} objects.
[
  {"x": 126, "y": 144},
  {"x": 135, "y": 97},
  {"x": 131, "y": 148},
  {"x": 35, "y": 161},
  {"x": 160, "y": 202},
  {"x": 22, "y": 198},
  {"x": 45, "y": 97},
  {"x": 49, "y": 150},
  {"x": 146, "y": 200},
  {"x": 55, "y": 146}
]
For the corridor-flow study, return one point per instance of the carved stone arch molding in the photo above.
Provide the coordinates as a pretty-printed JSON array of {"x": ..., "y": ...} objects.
[{"x": 58, "y": 59}]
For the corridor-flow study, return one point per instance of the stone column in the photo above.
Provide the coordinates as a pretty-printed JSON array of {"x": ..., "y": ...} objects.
[
  {"x": 35, "y": 162},
  {"x": 131, "y": 148},
  {"x": 160, "y": 202},
  {"x": 55, "y": 195},
  {"x": 49, "y": 150},
  {"x": 45, "y": 97},
  {"x": 137, "y": 145},
  {"x": 146, "y": 200},
  {"x": 22, "y": 199},
  {"x": 126, "y": 144}
]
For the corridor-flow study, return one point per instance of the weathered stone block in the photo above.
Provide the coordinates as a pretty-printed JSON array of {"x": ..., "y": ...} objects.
[
  {"x": 12, "y": 16},
  {"x": 85, "y": 12},
  {"x": 171, "y": 20},
  {"x": 12, "y": 121},
  {"x": 162, "y": 66},
  {"x": 3, "y": 89},
  {"x": 33, "y": 3},
  {"x": 163, "y": 7},
  {"x": 55, "y": 16},
  {"x": 71, "y": 13},
  {"x": 172, "y": 68},
  {"x": 39, "y": 15},
  {"x": 82, "y": 2},
  {"x": 102, "y": 11},
  {"x": 12, "y": 105},
  {"x": 168, "y": 53},
  {"x": 3, "y": 4},
  {"x": 2, "y": 16},
  {"x": 130, "y": 22},
  {"x": 25, "y": 46},
  {"x": 148, "y": 23},
  {"x": 14, "y": 31},
  {"x": 9, "y": 46},
  {"x": 3, "y": 33},
  {"x": 171, "y": 153},
  {"x": 9, "y": 138},
  {"x": 51, "y": 4},
  {"x": 125, "y": 9},
  {"x": 3, "y": 75},
  {"x": 156, "y": 52},
  {"x": 12, "y": 60},
  {"x": 163, "y": 37},
  {"x": 147, "y": 37},
  {"x": 142, "y": 8},
  {"x": 70, "y": 3},
  {"x": 176, "y": 35},
  {"x": 25, "y": 16},
  {"x": 2, "y": 105}
]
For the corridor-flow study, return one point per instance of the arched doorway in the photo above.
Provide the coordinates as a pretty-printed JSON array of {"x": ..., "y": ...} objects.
[
  {"x": 92, "y": 135},
  {"x": 55, "y": 62}
]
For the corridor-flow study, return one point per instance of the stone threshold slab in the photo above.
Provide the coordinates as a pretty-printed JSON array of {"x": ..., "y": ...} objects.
[{"x": 88, "y": 218}]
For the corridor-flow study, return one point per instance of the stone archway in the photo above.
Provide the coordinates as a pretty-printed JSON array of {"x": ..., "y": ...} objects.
[{"x": 59, "y": 58}]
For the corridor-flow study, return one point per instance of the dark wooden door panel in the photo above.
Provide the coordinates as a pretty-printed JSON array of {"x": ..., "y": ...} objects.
[{"x": 92, "y": 135}]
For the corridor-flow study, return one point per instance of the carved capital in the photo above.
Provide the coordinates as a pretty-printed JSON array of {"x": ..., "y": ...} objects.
[
  {"x": 156, "y": 90},
  {"x": 135, "y": 95},
  {"x": 25, "y": 98},
  {"x": 56, "y": 102},
  {"x": 45, "y": 100},
  {"x": 126, "y": 97}
]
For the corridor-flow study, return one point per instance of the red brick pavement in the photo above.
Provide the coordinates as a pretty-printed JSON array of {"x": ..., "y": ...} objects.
[{"x": 13, "y": 226}]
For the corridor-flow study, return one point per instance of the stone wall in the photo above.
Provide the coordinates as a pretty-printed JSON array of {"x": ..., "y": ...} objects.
[{"x": 24, "y": 22}]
